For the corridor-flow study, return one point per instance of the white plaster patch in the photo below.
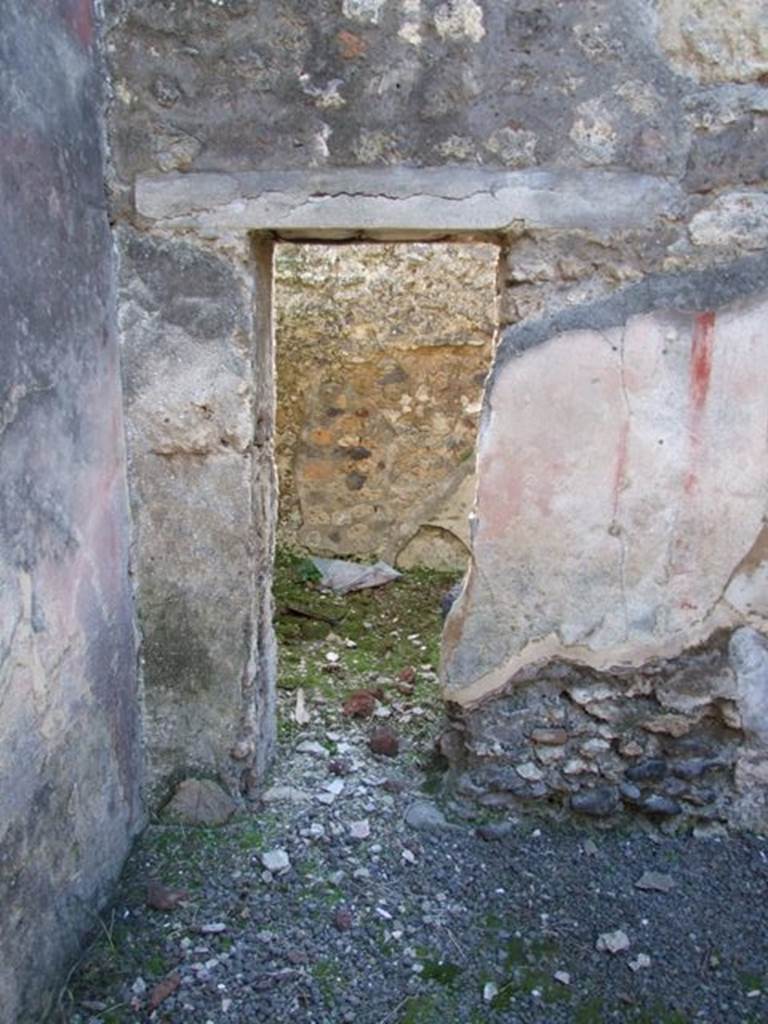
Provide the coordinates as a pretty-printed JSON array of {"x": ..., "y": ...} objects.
[
  {"x": 459, "y": 19},
  {"x": 325, "y": 96},
  {"x": 593, "y": 134},
  {"x": 516, "y": 147},
  {"x": 715, "y": 40},
  {"x": 410, "y": 30},
  {"x": 458, "y": 147},
  {"x": 363, "y": 10},
  {"x": 640, "y": 97},
  {"x": 375, "y": 147}
]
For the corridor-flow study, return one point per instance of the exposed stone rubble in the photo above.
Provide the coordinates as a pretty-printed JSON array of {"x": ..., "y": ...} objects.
[{"x": 682, "y": 739}]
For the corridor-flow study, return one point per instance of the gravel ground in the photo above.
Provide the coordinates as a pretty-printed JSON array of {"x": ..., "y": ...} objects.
[
  {"x": 417, "y": 925},
  {"x": 400, "y": 905}
]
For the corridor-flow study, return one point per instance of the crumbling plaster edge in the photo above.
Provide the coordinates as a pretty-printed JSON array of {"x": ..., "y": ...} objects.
[{"x": 616, "y": 660}]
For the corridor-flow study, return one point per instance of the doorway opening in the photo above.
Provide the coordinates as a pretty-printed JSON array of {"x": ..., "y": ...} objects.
[{"x": 382, "y": 350}]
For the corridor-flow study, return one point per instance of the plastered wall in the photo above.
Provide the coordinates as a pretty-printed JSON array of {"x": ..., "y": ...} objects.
[{"x": 70, "y": 757}]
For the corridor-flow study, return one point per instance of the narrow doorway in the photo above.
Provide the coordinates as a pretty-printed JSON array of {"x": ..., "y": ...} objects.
[{"x": 382, "y": 350}]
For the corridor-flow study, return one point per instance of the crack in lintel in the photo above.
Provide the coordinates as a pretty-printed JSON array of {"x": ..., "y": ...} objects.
[
  {"x": 345, "y": 194},
  {"x": 491, "y": 199}
]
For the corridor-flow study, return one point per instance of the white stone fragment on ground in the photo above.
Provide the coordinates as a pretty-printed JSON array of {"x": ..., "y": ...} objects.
[
  {"x": 383, "y": 712},
  {"x": 290, "y": 794},
  {"x": 612, "y": 942},
  {"x": 331, "y": 790},
  {"x": 408, "y": 856},
  {"x": 226, "y": 1005},
  {"x": 331, "y": 657},
  {"x": 343, "y": 577},
  {"x": 490, "y": 991},
  {"x": 213, "y": 928},
  {"x": 312, "y": 747},
  {"x": 276, "y": 860},
  {"x": 641, "y": 961},
  {"x": 360, "y": 829},
  {"x": 655, "y": 881},
  {"x": 139, "y": 987},
  {"x": 351, "y": 644},
  {"x": 300, "y": 713},
  {"x": 563, "y": 977}
]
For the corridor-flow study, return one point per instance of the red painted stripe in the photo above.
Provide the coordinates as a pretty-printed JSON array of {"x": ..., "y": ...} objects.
[{"x": 702, "y": 345}]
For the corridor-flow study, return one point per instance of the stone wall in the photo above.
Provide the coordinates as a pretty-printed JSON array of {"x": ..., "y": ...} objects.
[
  {"x": 382, "y": 351},
  {"x": 69, "y": 731},
  {"x": 616, "y": 151}
]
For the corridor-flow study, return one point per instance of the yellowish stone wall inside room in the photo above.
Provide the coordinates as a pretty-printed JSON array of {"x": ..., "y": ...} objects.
[{"x": 382, "y": 351}]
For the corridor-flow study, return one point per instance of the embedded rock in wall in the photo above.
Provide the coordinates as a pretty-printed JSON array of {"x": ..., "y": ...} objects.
[
  {"x": 616, "y": 543},
  {"x": 382, "y": 351},
  {"x": 716, "y": 40},
  {"x": 232, "y": 86}
]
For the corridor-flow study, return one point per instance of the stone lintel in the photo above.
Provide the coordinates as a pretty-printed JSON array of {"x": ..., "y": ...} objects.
[{"x": 403, "y": 203}]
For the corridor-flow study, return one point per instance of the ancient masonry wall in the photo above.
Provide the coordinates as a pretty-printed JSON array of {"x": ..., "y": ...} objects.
[
  {"x": 70, "y": 758},
  {"x": 617, "y": 152},
  {"x": 382, "y": 353}
]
